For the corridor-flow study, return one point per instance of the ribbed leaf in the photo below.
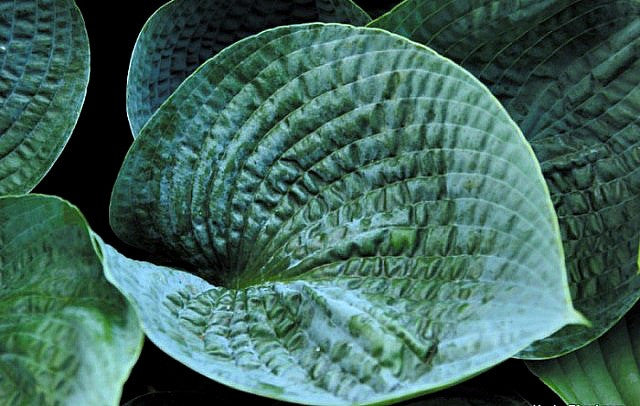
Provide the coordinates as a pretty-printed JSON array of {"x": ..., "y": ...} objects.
[
  {"x": 568, "y": 72},
  {"x": 67, "y": 337},
  {"x": 183, "y": 34},
  {"x": 370, "y": 223},
  {"x": 44, "y": 72},
  {"x": 605, "y": 372}
]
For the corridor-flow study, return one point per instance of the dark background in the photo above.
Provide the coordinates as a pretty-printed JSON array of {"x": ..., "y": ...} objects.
[{"x": 86, "y": 170}]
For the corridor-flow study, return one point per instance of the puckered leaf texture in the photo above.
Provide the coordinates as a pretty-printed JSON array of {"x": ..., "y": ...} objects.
[
  {"x": 568, "y": 72},
  {"x": 67, "y": 337},
  {"x": 362, "y": 221},
  {"x": 183, "y": 34},
  {"x": 44, "y": 72}
]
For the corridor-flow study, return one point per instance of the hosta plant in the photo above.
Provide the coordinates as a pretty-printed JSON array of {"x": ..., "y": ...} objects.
[
  {"x": 347, "y": 217},
  {"x": 338, "y": 210}
]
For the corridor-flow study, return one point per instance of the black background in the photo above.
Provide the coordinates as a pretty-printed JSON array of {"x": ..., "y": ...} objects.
[{"x": 86, "y": 170}]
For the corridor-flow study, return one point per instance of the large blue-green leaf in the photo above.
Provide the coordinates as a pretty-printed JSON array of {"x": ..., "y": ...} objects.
[
  {"x": 365, "y": 221},
  {"x": 183, "y": 34},
  {"x": 44, "y": 72},
  {"x": 568, "y": 72},
  {"x": 67, "y": 337}
]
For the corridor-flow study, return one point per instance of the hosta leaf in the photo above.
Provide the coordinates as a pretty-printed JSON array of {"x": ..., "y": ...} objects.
[
  {"x": 66, "y": 336},
  {"x": 44, "y": 72},
  {"x": 369, "y": 221},
  {"x": 183, "y": 34},
  {"x": 568, "y": 72},
  {"x": 604, "y": 372}
]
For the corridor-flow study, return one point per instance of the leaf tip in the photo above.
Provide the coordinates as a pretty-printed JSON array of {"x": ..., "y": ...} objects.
[{"x": 576, "y": 317}]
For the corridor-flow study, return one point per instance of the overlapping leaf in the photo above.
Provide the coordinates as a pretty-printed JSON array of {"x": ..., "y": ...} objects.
[
  {"x": 67, "y": 336},
  {"x": 369, "y": 222},
  {"x": 607, "y": 371},
  {"x": 604, "y": 372},
  {"x": 183, "y": 34},
  {"x": 44, "y": 71},
  {"x": 568, "y": 72}
]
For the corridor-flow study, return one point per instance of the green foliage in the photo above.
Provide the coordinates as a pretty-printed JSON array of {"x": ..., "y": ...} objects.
[
  {"x": 369, "y": 222},
  {"x": 607, "y": 371},
  {"x": 604, "y": 372},
  {"x": 67, "y": 336},
  {"x": 44, "y": 72},
  {"x": 183, "y": 34},
  {"x": 567, "y": 72},
  {"x": 338, "y": 214}
]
